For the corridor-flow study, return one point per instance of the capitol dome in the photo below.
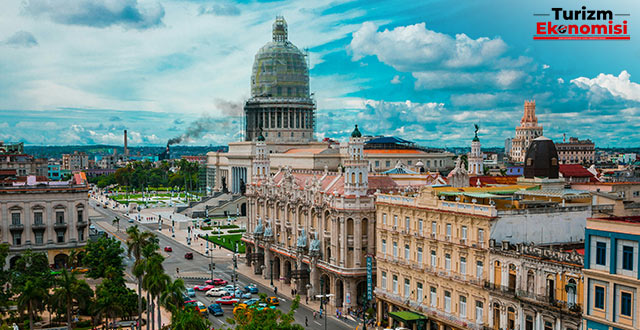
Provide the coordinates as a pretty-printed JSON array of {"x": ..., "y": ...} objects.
[{"x": 280, "y": 68}]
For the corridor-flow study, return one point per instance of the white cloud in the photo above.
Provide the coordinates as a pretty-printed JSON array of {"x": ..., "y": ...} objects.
[
  {"x": 620, "y": 86},
  {"x": 503, "y": 79},
  {"x": 545, "y": 66},
  {"x": 414, "y": 47},
  {"x": 395, "y": 80},
  {"x": 22, "y": 39},
  {"x": 560, "y": 81}
]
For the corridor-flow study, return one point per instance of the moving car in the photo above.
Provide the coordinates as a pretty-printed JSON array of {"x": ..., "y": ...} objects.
[
  {"x": 130, "y": 220},
  {"x": 217, "y": 292},
  {"x": 168, "y": 249},
  {"x": 262, "y": 306},
  {"x": 200, "y": 307},
  {"x": 188, "y": 256},
  {"x": 216, "y": 282},
  {"x": 239, "y": 307},
  {"x": 227, "y": 300},
  {"x": 251, "y": 301},
  {"x": 251, "y": 288},
  {"x": 243, "y": 295},
  {"x": 230, "y": 288},
  {"x": 215, "y": 310},
  {"x": 203, "y": 287},
  {"x": 273, "y": 301},
  {"x": 191, "y": 292}
]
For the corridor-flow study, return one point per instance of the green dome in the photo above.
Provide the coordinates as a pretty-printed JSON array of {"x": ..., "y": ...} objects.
[
  {"x": 280, "y": 68},
  {"x": 356, "y": 132},
  {"x": 260, "y": 137}
]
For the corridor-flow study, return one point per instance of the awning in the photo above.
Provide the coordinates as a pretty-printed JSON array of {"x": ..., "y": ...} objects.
[{"x": 407, "y": 316}]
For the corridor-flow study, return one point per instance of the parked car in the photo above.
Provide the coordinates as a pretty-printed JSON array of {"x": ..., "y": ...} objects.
[
  {"x": 191, "y": 292},
  {"x": 252, "y": 288},
  {"x": 188, "y": 256},
  {"x": 273, "y": 301},
  {"x": 130, "y": 220},
  {"x": 217, "y": 292},
  {"x": 243, "y": 295},
  {"x": 227, "y": 300},
  {"x": 215, "y": 310},
  {"x": 200, "y": 307},
  {"x": 230, "y": 288},
  {"x": 203, "y": 287},
  {"x": 168, "y": 249},
  {"x": 262, "y": 306}
]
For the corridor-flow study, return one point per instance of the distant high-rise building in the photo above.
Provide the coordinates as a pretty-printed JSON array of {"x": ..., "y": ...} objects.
[
  {"x": 280, "y": 107},
  {"x": 525, "y": 133},
  {"x": 507, "y": 146},
  {"x": 75, "y": 162}
]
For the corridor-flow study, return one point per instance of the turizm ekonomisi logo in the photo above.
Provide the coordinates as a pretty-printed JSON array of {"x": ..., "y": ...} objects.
[{"x": 582, "y": 24}]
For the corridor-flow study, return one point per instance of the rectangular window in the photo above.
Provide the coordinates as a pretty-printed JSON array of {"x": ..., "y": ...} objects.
[
  {"x": 395, "y": 221},
  {"x": 388, "y": 163},
  {"x": 39, "y": 235},
  {"x": 59, "y": 217},
  {"x": 419, "y": 255},
  {"x": 81, "y": 235},
  {"x": 463, "y": 307},
  {"x": 384, "y": 281},
  {"x": 463, "y": 234},
  {"x": 80, "y": 215},
  {"x": 599, "y": 298},
  {"x": 60, "y": 235},
  {"x": 601, "y": 253},
  {"x": 384, "y": 247},
  {"x": 627, "y": 257},
  {"x": 481, "y": 237},
  {"x": 433, "y": 228},
  {"x": 448, "y": 231},
  {"x": 407, "y": 287},
  {"x": 420, "y": 225},
  {"x": 395, "y": 284},
  {"x": 377, "y": 163},
  {"x": 407, "y": 253},
  {"x": 625, "y": 304},
  {"x": 463, "y": 265},
  {"x": 395, "y": 249},
  {"x": 479, "y": 312},
  {"x": 17, "y": 239},
  {"x": 447, "y": 301},
  {"x": 384, "y": 218},
  {"x": 419, "y": 292},
  {"x": 407, "y": 224},
  {"x": 433, "y": 258},
  {"x": 479, "y": 269},
  {"x": 433, "y": 296},
  {"x": 37, "y": 218},
  {"x": 409, "y": 162},
  {"x": 447, "y": 262},
  {"x": 15, "y": 218}
]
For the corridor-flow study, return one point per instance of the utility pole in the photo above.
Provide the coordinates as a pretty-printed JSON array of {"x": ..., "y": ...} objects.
[{"x": 235, "y": 265}]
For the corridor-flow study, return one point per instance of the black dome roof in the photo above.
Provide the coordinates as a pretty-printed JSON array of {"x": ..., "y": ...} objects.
[{"x": 541, "y": 159}]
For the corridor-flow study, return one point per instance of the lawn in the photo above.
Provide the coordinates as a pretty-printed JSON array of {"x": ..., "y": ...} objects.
[{"x": 229, "y": 241}]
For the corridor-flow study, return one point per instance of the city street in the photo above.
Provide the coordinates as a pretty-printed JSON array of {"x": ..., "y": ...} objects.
[{"x": 200, "y": 265}]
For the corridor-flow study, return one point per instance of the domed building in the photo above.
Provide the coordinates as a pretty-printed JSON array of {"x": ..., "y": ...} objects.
[{"x": 280, "y": 105}]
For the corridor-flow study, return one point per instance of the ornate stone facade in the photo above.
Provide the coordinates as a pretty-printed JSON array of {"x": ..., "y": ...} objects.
[
  {"x": 525, "y": 133},
  {"x": 535, "y": 287}
]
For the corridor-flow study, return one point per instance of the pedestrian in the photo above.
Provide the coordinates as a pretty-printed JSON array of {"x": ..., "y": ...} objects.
[
  {"x": 275, "y": 290},
  {"x": 306, "y": 299},
  {"x": 314, "y": 315},
  {"x": 177, "y": 270},
  {"x": 306, "y": 321}
]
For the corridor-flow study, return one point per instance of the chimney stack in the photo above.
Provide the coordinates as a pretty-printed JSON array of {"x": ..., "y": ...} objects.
[{"x": 126, "y": 151}]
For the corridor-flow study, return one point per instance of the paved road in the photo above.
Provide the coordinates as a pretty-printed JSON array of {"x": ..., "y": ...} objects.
[{"x": 224, "y": 270}]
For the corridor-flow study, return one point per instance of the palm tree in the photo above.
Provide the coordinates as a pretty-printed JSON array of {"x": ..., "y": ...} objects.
[
  {"x": 171, "y": 297},
  {"x": 150, "y": 261},
  {"x": 155, "y": 280},
  {"x": 116, "y": 221},
  {"x": 31, "y": 299},
  {"x": 68, "y": 290},
  {"x": 136, "y": 242}
]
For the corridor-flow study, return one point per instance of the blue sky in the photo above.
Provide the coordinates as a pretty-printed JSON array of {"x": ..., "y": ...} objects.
[{"x": 423, "y": 70}]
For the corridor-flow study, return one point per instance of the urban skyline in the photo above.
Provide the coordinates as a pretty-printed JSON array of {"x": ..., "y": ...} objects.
[{"x": 156, "y": 67}]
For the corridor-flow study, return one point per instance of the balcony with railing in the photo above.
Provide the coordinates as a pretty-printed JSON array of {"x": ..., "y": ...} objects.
[
  {"x": 38, "y": 226},
  {"x": 16, "y": 227}
]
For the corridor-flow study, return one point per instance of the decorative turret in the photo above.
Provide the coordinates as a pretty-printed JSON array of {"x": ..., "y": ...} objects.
[
  {"x": 475, "y": 157},
  {"x": 356, "y": 180}
]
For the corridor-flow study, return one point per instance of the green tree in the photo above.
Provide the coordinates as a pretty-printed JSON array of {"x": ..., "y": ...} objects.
[
  {"x": 136, "y": 242},
  {"x": 171, "y": 297},
  {"x": 116, "y": 222},
  {"x": 32, "y": 266},
  {"x": 188, "y": 319},
  {"x": 155, "y": 281},
  {"x": 69, "y": 291},
  {"x": 5, "y": 294},
  {"x": 31, "y": 298},
  {"x": 102, "y": 255}
]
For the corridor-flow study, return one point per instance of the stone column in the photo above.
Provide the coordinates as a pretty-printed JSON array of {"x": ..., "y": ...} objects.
[
  {"x": 334, "y": 241},
  {"x": 314, "y": 279},
  {"x": 49, "y": 219},
  {"x": 343, "y": 242},
  {"x": 267, "y": 258},
  {"x": 357, "y": 242},
  {"x": 503, "y": 317},
  {"x": 538, "y": 325}
]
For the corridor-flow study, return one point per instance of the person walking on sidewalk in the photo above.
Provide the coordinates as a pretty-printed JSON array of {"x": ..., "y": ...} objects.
[
  {"x": 306, "y": 321},
  {"x": 275, "y": 290},
  {"x": 314, "y": 315},
  {"x": 306, "y": 299}
]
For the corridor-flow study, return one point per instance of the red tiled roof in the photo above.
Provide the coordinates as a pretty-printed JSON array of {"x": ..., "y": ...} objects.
[
  {"x": 574, "y": 170},
  {"x": 8, "y": 172},
  {"x": 393, "y": 151}
]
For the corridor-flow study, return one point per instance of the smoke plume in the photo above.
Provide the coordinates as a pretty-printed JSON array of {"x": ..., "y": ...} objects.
[{"x": 200, "y": 127}]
